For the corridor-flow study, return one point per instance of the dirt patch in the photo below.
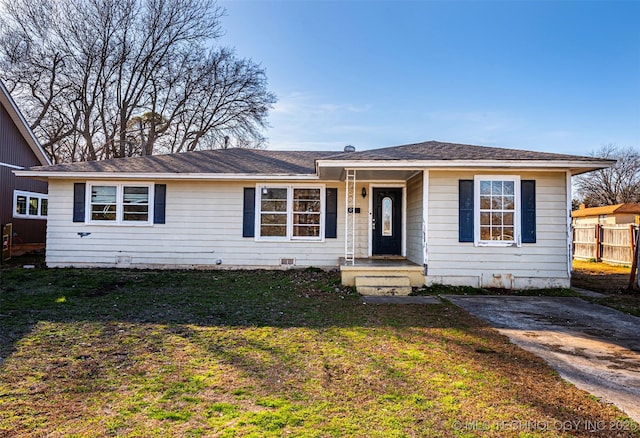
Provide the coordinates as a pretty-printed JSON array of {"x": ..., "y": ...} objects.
[{"x": 601, "y": 277}]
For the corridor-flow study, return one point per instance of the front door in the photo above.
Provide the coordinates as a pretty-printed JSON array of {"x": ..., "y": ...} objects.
[{"x": 387, "y": 221}]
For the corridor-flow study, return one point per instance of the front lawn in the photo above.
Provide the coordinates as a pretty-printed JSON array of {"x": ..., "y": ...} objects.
[{"x": 263, "y": 353}]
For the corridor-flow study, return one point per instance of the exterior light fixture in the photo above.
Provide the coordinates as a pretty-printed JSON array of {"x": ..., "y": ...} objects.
[
  {"x": 364, "y": 192},
  {"x": 265, "y": 191}
]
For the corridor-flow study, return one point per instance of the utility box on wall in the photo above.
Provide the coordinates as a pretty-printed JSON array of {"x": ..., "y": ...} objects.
[{"x": 7, "y": 231}]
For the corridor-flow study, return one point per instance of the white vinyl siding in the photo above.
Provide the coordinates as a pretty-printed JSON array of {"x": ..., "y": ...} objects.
[
  {"x": 539, "y": 265},
  {"x": 203, "y": 225}
]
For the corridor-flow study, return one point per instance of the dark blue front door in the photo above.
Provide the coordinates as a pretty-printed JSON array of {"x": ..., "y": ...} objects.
[{"x": 387, "y": 221}]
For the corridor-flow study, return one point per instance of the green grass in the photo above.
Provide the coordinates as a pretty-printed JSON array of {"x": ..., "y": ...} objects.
[
  {"x": 441, "y": 289},
  {"x": 257, "y": 353}
]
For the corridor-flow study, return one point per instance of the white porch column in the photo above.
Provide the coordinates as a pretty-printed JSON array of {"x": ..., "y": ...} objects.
[
  {"x": 350, "y": 219},
  {"x": 425, "y": 217}
]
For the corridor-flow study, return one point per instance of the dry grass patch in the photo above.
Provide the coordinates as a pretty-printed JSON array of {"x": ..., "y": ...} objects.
[
  {"x": 608, "y": 279},
  {"x": 600, "y": 277},
  {"x": 134, "y": 353}
]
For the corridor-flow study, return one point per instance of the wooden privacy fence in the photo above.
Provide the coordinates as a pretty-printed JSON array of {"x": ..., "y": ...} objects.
[{"x": 606, "y": 243}]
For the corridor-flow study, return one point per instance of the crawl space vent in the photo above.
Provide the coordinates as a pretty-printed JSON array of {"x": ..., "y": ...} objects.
[{"x": 288, "y": 262}]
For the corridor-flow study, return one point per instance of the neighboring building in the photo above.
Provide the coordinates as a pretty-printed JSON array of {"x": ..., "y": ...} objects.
[
  {"x": 23, "y": 201},
  {"x": 449, "y": 213},
  {"x": 607, "y": 215}
]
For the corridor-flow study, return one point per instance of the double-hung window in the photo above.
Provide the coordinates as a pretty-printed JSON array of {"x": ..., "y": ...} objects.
[
  {"x": 289, "y": 213},
  {"x": 497, "y": 210},
  {"x": 30, "y": 205},
  {"x": 119, "y": 203}
]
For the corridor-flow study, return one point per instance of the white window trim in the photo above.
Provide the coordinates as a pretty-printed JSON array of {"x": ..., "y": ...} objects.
[
  {"x": 517, "y": 235},
  {"x": 289, "y": 234},
  {"x": 27, "y": 215},
  {"x": 119, "y": 204}
]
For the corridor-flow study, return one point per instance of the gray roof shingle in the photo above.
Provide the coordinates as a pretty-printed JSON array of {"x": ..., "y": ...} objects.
[
  {"x": 231, "y": 161},
  {"x": 266, "y": 162},
  {"x": 435, "y": 150}
]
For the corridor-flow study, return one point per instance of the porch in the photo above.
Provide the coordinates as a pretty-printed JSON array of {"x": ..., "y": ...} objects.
[
  {"x": 385, "y": 217},
  {"x": 381, "y": 275}
]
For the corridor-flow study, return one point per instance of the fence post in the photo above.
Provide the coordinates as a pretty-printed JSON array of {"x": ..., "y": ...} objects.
[
  {"x": 598, "y": 242},
  {"x": 634, "y": 280}
]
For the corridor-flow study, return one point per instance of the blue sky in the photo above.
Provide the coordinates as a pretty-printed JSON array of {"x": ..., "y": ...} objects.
[{"x": 557, "y": 76}]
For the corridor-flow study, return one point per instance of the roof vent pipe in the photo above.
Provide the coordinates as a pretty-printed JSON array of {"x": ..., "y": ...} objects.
[{"x": 349, "y": 148}]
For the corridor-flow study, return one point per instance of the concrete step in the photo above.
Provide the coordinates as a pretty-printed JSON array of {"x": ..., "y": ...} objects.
[{"x": 383, "y": 285}]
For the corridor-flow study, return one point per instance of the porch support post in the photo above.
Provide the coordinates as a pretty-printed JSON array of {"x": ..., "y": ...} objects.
[
  {"x": 569, "y": 225},
  {"x": 425, "y": 219},
  {"x": 350, "y": 219}
]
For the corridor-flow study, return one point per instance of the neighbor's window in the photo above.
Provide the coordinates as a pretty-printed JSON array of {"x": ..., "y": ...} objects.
[
  {"x": 29, "y": 205},
  {"x": 497, "y": 210},
  {"x": 119, "y": 203},
  {"x": 290, "y": 212}
]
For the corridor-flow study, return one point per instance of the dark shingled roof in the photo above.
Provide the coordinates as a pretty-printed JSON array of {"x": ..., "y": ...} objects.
[
  {"x": 435, "y": 150},
  {"x": 266, "y": 162},
  {"x": 249, "y": 161}
]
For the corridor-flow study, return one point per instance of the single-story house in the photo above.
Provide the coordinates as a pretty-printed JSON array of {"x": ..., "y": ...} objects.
[
  {"x": 23, "y": 201},
  {"x": 416, "y": 214},
  {"x": 607, "y": 215}
]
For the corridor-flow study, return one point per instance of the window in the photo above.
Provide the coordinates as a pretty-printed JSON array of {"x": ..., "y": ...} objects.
[
  {"x": 30, "y": 205},
  {"x": 497, "y": 210},
  {"x": 273, "y": 213},
  {"x": 306, "y": 213},
  {"x": 285, "y": 213},
  {"x": 387, "y": 216},
  {"x": 119, "y": 203}
]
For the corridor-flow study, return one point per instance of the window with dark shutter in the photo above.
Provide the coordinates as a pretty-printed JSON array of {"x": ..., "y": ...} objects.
[
  {"x": 159, "y": 203},
  {"x": 528, "y": 210},
  {"x": 79, "y": 190},
  {"x": 249, "y": 212},
  {"x": 465, "y": 210},
  {"x": 331, "y": 214}
]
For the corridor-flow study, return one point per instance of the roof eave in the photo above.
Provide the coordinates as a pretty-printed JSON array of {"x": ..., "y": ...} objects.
[
  {"x": 163, "y": 176},
  {"x": 575, "y": 166}
]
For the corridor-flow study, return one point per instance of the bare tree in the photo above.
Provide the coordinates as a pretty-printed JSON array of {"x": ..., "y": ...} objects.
[
  {"x": 617, "y": 184},
  {"x": 114, "y": 78}
]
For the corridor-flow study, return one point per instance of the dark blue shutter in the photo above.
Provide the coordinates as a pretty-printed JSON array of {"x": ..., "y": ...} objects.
[
  {"x": 159, "y": 203},
  {"x": 528, "y": 210},
  {"x": 79, "y": 191},
  {"x": 249, "y": 212},
  {"x": 331, "y": 214},
  {"x": 465, "y": 210}
]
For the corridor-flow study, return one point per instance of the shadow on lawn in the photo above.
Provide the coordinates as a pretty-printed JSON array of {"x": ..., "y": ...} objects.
[
  {"x": 338, "y": 341},
  {"x": 295, "y": 298}
]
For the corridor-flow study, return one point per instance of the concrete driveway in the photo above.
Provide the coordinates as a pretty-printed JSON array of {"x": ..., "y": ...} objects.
[{"x": 594, "y": 347}]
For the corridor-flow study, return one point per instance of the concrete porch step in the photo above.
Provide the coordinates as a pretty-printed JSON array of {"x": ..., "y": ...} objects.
[{"x": 383, "y": 285}]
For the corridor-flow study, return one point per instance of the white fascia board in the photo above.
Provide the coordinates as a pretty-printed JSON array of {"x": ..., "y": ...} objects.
[
  {"x": 464, "y": 164},
  {"x": 10, "y": 166},
  {"x": 163, "y": 176}
]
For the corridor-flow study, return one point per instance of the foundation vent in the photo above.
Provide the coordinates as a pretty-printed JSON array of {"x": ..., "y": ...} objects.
[{"x": 288, "y": 262}]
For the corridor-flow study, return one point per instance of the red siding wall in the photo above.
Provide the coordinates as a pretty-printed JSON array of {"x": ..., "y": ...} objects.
[{"x": 15, "y": 150}]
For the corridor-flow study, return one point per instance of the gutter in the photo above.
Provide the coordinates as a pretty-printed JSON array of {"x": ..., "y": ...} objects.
[{"x": 163, "y": 176}]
